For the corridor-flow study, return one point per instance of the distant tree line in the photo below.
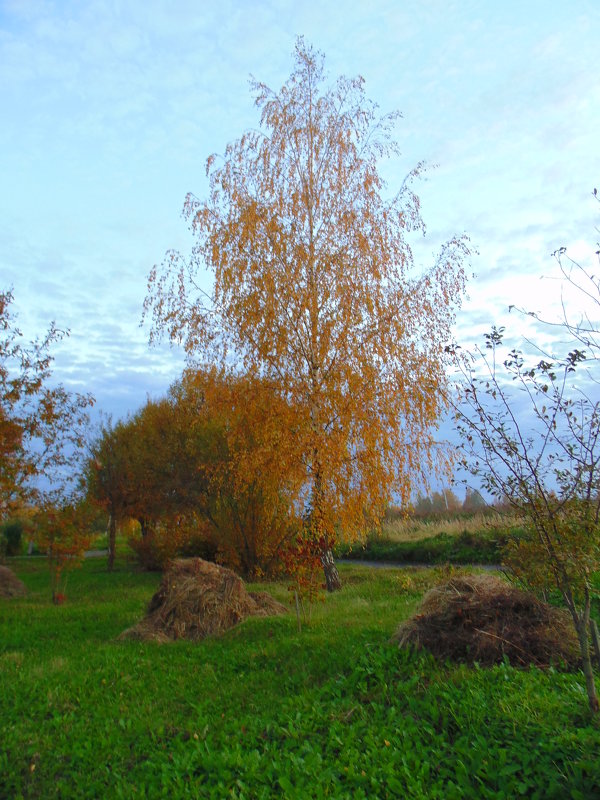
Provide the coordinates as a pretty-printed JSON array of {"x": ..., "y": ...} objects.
[{"x": 446, "y": 501}]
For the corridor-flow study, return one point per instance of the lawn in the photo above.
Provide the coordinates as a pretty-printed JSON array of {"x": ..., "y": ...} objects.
[{"x": 266, "y": 711}]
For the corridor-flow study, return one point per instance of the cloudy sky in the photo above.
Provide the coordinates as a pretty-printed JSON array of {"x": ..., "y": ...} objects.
[{"x": 110, "y": 108}]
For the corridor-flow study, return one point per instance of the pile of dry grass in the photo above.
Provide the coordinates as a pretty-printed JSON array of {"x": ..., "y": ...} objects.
[
  {"x": 197, "y": 598},
  {"x": 10, "y": 585},
  {"x": 481, "y": 618}
]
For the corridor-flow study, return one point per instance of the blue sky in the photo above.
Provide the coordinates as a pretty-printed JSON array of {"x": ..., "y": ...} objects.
[{"x": 109, "y": 110}]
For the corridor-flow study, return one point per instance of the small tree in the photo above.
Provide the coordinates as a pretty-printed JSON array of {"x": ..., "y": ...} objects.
[
  {"x": 202, "y": 460},
  {"x": 42, "y": 427},
  {"x": 444, "y": 502},
  {"x": 254, "y": 477},
  {"x": 147, "y": 468},
  {"x": 11, "y": 535},
  {"x": 531, "y": 433},
  {"x": 64, "y": 533},
  {"x": 423, "y": 505},
  {"x": 105, "y": 481},
  {"x": 314, "y": 290}
]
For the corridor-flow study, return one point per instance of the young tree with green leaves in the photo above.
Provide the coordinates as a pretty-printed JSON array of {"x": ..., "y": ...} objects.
[
  {"x": 530, "y": 428},
  {"x": 531, "y": 433}
]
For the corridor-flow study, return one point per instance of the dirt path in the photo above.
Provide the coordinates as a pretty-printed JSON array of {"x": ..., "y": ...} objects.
[{"x": 409, "y": 565}]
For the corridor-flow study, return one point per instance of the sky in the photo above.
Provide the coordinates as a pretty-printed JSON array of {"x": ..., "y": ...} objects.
[{"x": 110, "y": 109}]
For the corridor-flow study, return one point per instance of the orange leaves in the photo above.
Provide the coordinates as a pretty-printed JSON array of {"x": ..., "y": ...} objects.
[
  {"x": 212, "y": 462},
  {"x": 314, "y": 296},
  {"x": 41, "y": 427},
  {"x": 63, "y": 533},
  {"x": 252, "y": 471}
]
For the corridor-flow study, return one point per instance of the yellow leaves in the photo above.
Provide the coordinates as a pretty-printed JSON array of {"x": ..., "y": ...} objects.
[
  {"x": 209, "y": 164},
  {"x": 254, "y": 473},
  {"x": 311, "y": 299}
]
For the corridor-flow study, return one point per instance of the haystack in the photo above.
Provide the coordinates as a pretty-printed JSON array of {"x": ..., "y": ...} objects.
[
  {"x": 481, "y": 618},
  {"x": 10, "y": 585},
  {"x": 197, "y": 598}
]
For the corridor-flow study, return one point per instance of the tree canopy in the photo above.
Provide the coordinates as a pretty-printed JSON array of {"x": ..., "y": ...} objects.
[
  {"x": 315, "y": 289},
  {"x": 199, "y": 464},
  {"x": 42, "y": 425}
]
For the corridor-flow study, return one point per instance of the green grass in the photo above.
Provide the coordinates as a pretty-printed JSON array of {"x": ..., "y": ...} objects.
[
  {"x": 462, "y": 548},
  {"x": 405, "y": 528},
  {"x": 334, "y": 711},
  {"x": 475, "y": 539}
]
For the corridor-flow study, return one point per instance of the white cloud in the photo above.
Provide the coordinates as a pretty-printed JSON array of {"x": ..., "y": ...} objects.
[{"x": 110, "y": 110}]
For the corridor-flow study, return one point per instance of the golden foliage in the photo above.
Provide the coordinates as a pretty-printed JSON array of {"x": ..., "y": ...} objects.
[
  {"x": 63, "y": 532},
  {"x": 315, "y": 292},
  {"x": 206, "y": 467},
  {"x": 251, "y": 469}
]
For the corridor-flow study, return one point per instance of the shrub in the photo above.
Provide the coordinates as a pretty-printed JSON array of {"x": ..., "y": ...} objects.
[
  {"x": 62, "y": 531},
  {"x": 199, "y": 545},
  {"x": 12, "y": 536},
  {"x": 172, "y": 537}
]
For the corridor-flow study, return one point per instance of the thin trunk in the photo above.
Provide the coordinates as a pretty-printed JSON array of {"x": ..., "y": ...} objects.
[
  {"x": 332, "y": 576},
  {"x": 588, "y": 670},
  {"x": 298, "y": 612},
  {"x": 595, "y": 640},
  {"x": 333, "y": 581},
  {"x": 112, "y": 539},
  {"x": 581, "y": 620}
]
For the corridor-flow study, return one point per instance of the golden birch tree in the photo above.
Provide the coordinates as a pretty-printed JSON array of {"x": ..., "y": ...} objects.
[{"x": 315, "y": 289}]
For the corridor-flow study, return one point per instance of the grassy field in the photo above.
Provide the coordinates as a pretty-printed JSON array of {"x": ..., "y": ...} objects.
[
  {"x": 454, "y": 539},
  {"x": 268, "y": 712},
  {"x": 415, "y": 528}
]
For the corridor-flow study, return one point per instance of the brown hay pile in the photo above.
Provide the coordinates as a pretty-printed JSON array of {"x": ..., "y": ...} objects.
[
  {"x": 10, "y": 585},
  {"x": 197, "y": 598},
  {"x": 481, "y": 618}
]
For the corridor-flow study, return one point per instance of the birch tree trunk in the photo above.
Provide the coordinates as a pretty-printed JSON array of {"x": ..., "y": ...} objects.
[{"x": 332, "y": 576}]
